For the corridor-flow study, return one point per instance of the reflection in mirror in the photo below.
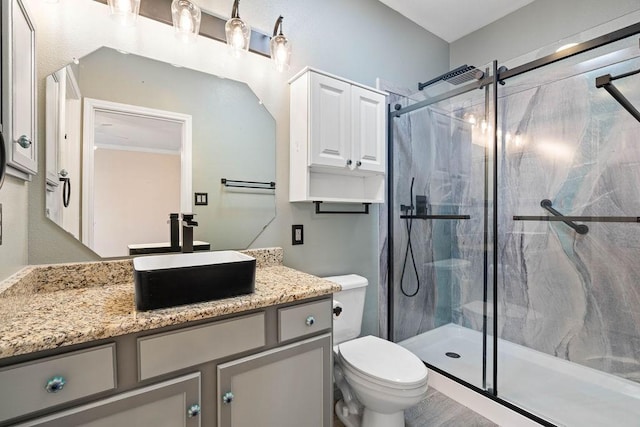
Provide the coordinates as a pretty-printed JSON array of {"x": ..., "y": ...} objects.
[{"x": 128, "y": 141}]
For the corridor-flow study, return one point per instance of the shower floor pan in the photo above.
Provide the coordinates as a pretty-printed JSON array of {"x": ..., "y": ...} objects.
[{"x": 562, "y": 392}]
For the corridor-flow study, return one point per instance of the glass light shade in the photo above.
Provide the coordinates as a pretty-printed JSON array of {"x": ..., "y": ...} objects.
[
  {"x": 186, "y": 19},
  {"x": 238, "y": 34},
  {"x": 281, "y": 52},
  {"x": 124, "y": 11}
]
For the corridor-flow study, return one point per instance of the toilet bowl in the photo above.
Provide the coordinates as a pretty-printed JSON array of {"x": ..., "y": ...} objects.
[
  {"x": 384, "y": 377},
  {"x": 378, "y": 379}
]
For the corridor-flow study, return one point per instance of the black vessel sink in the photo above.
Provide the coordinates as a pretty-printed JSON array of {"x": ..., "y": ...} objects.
[{"x": 175, "y": 279}]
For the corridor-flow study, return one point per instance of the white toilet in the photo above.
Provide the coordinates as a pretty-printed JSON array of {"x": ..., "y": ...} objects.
[{"x": 378, "y": 379}]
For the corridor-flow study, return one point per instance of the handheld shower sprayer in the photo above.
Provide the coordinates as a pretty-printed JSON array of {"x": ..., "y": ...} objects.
[{"x": 408, "y": 209}]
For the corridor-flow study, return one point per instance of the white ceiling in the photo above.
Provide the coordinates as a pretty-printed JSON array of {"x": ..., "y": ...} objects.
[
  {"x": 126, "y": 131},
  {"x": 453, "y": 19}
]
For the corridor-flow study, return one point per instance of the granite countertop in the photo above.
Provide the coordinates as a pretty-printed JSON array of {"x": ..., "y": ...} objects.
[{"x": 46, "y": 307}]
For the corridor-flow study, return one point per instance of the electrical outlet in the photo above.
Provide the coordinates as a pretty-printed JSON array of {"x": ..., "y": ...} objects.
[{"x": 297, "y": 234}]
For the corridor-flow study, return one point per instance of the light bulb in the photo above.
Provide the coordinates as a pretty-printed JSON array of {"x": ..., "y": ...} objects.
[
  {"x": 123, "y": 6},
  {"x": 280, "y": 47},
  {"x": 237, "y": 39},
  {"x": 124, "y": 11},
  {"x": 238, "y": 35},
  {"x": 186, "y": 17},
  {"x": 186, "y": 26}
]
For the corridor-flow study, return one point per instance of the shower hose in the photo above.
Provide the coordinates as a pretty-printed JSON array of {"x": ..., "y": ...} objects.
[{"x": 409, "y": 251}]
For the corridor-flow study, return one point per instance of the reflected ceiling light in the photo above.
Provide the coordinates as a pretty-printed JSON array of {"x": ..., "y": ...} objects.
[
  {"x": 124, "y": 11},
  {"x": 237, "y": 31},
  {"x": 280, "y": 47},
  {"x": 186, "y": 19},
  {"x": 566, "y": 46}
]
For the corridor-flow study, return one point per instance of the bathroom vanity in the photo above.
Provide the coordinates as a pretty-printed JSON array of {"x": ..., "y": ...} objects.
[{"x": 73, "y": 351}]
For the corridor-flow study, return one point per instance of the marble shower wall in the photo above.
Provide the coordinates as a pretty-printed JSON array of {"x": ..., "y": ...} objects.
[
  {"x": 434, "y": 149},
  {"x": 573, "y": 296}
]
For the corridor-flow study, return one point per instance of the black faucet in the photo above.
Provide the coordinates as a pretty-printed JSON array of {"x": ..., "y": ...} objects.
[
  {"x": 174, "y": 220},
  {"x": 187, "y": 232}
]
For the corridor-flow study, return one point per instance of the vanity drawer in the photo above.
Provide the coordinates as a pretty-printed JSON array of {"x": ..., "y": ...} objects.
[
  {"x": 35, "y": 385},
  {"x": 304, "y": 319},
  {"x": 163, "y": 353}
]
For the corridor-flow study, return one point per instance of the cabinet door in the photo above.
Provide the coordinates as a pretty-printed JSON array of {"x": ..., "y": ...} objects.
[
  {"x": 173, "y": 403},
  {"x": 289, "y": 386},
  {"x": 330, "y": 127},
  {"x": 368, "y": 130},
  {"x": 19, "y": 90}
]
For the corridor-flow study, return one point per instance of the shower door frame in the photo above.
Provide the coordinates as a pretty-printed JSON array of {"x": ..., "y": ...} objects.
[{"x": 498, "y": 76}]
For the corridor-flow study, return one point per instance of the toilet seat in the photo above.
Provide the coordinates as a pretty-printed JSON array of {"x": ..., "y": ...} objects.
[{"x": 383, "y": 362}]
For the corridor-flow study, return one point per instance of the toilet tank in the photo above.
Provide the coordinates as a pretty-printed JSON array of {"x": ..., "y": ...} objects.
[{"x": 347, "y": 325}]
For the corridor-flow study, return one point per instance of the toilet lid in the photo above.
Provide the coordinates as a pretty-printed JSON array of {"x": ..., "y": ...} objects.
[{"x": 384, "y": 361}]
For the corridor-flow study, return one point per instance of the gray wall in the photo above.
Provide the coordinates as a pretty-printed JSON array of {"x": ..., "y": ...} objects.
[
  {"x": 13, "y": 251},
  {"x": 536, "y": 25},
  {"x": 360, "y": 40}
]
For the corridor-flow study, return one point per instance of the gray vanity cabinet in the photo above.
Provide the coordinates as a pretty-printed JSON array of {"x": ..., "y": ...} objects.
[
  {"x": 270, "y": 367},
  {"x": 173, "y": 403},
  {"x": 19, "y": 89},
  {"x": 286, "y": 387}
]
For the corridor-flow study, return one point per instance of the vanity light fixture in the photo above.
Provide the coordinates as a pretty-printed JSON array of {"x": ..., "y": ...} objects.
[
  {"x": 124, "y": 11},
  {"x": 186, "y": 19},
  {"x": 237, "y": 31},
  {"x": 280, "y": 47}
]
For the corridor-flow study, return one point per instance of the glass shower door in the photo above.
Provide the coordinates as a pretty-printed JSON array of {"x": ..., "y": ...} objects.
[
  {"x": 569, "y": 241},
  {"x": 442, "y": 157}
]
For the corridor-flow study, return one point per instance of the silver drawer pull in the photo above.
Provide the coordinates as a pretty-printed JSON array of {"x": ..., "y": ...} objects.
[
  {"x": 310, "y": 321},
  {"x": 24, "y": 141},
  {"x": 193, "y": 411},
  {"x": 55, "y": 384},
  {"x": 227, "y": 397}
]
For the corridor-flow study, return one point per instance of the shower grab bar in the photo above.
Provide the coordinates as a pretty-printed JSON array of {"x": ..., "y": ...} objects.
[
  {"x": 547, "y": 204},
  {"x": 580, "y": 228},
  {"x": 605, "y": 82},
  {"x": 435, "y": 217}
]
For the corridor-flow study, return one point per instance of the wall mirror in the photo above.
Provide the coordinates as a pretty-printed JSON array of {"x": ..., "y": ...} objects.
[{"x": 130, "y": 140}]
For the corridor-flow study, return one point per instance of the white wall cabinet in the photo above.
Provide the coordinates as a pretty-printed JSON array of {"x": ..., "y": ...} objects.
[
  {"x": 19, "y": 89},
  {"x": 338, "y": 140}
]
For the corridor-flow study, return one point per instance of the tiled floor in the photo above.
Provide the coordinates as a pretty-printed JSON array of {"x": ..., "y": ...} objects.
[{"x": 438, "y": 410}]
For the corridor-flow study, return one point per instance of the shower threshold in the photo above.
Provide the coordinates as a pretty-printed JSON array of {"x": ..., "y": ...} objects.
[{"x": 560, "y": 391}]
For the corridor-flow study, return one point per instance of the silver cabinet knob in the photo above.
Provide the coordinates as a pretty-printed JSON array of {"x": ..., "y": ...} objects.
[
  {"x": 227, "y": 397},
  {"x": 310, "y": 321},
  {"x": 349, "y": 162},
  {"x": 55, "y": 384},
  {"x": 358, "y": 163},
  {"x": 193, "y": 411},
  {"x": 24, "y": 141}
]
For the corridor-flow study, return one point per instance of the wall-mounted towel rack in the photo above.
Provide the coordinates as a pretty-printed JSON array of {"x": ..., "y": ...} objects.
[
  {"x": 435, "y": 216},
  {"x": 248, "y": 184},
  {"x": 365, "y": 211}
]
